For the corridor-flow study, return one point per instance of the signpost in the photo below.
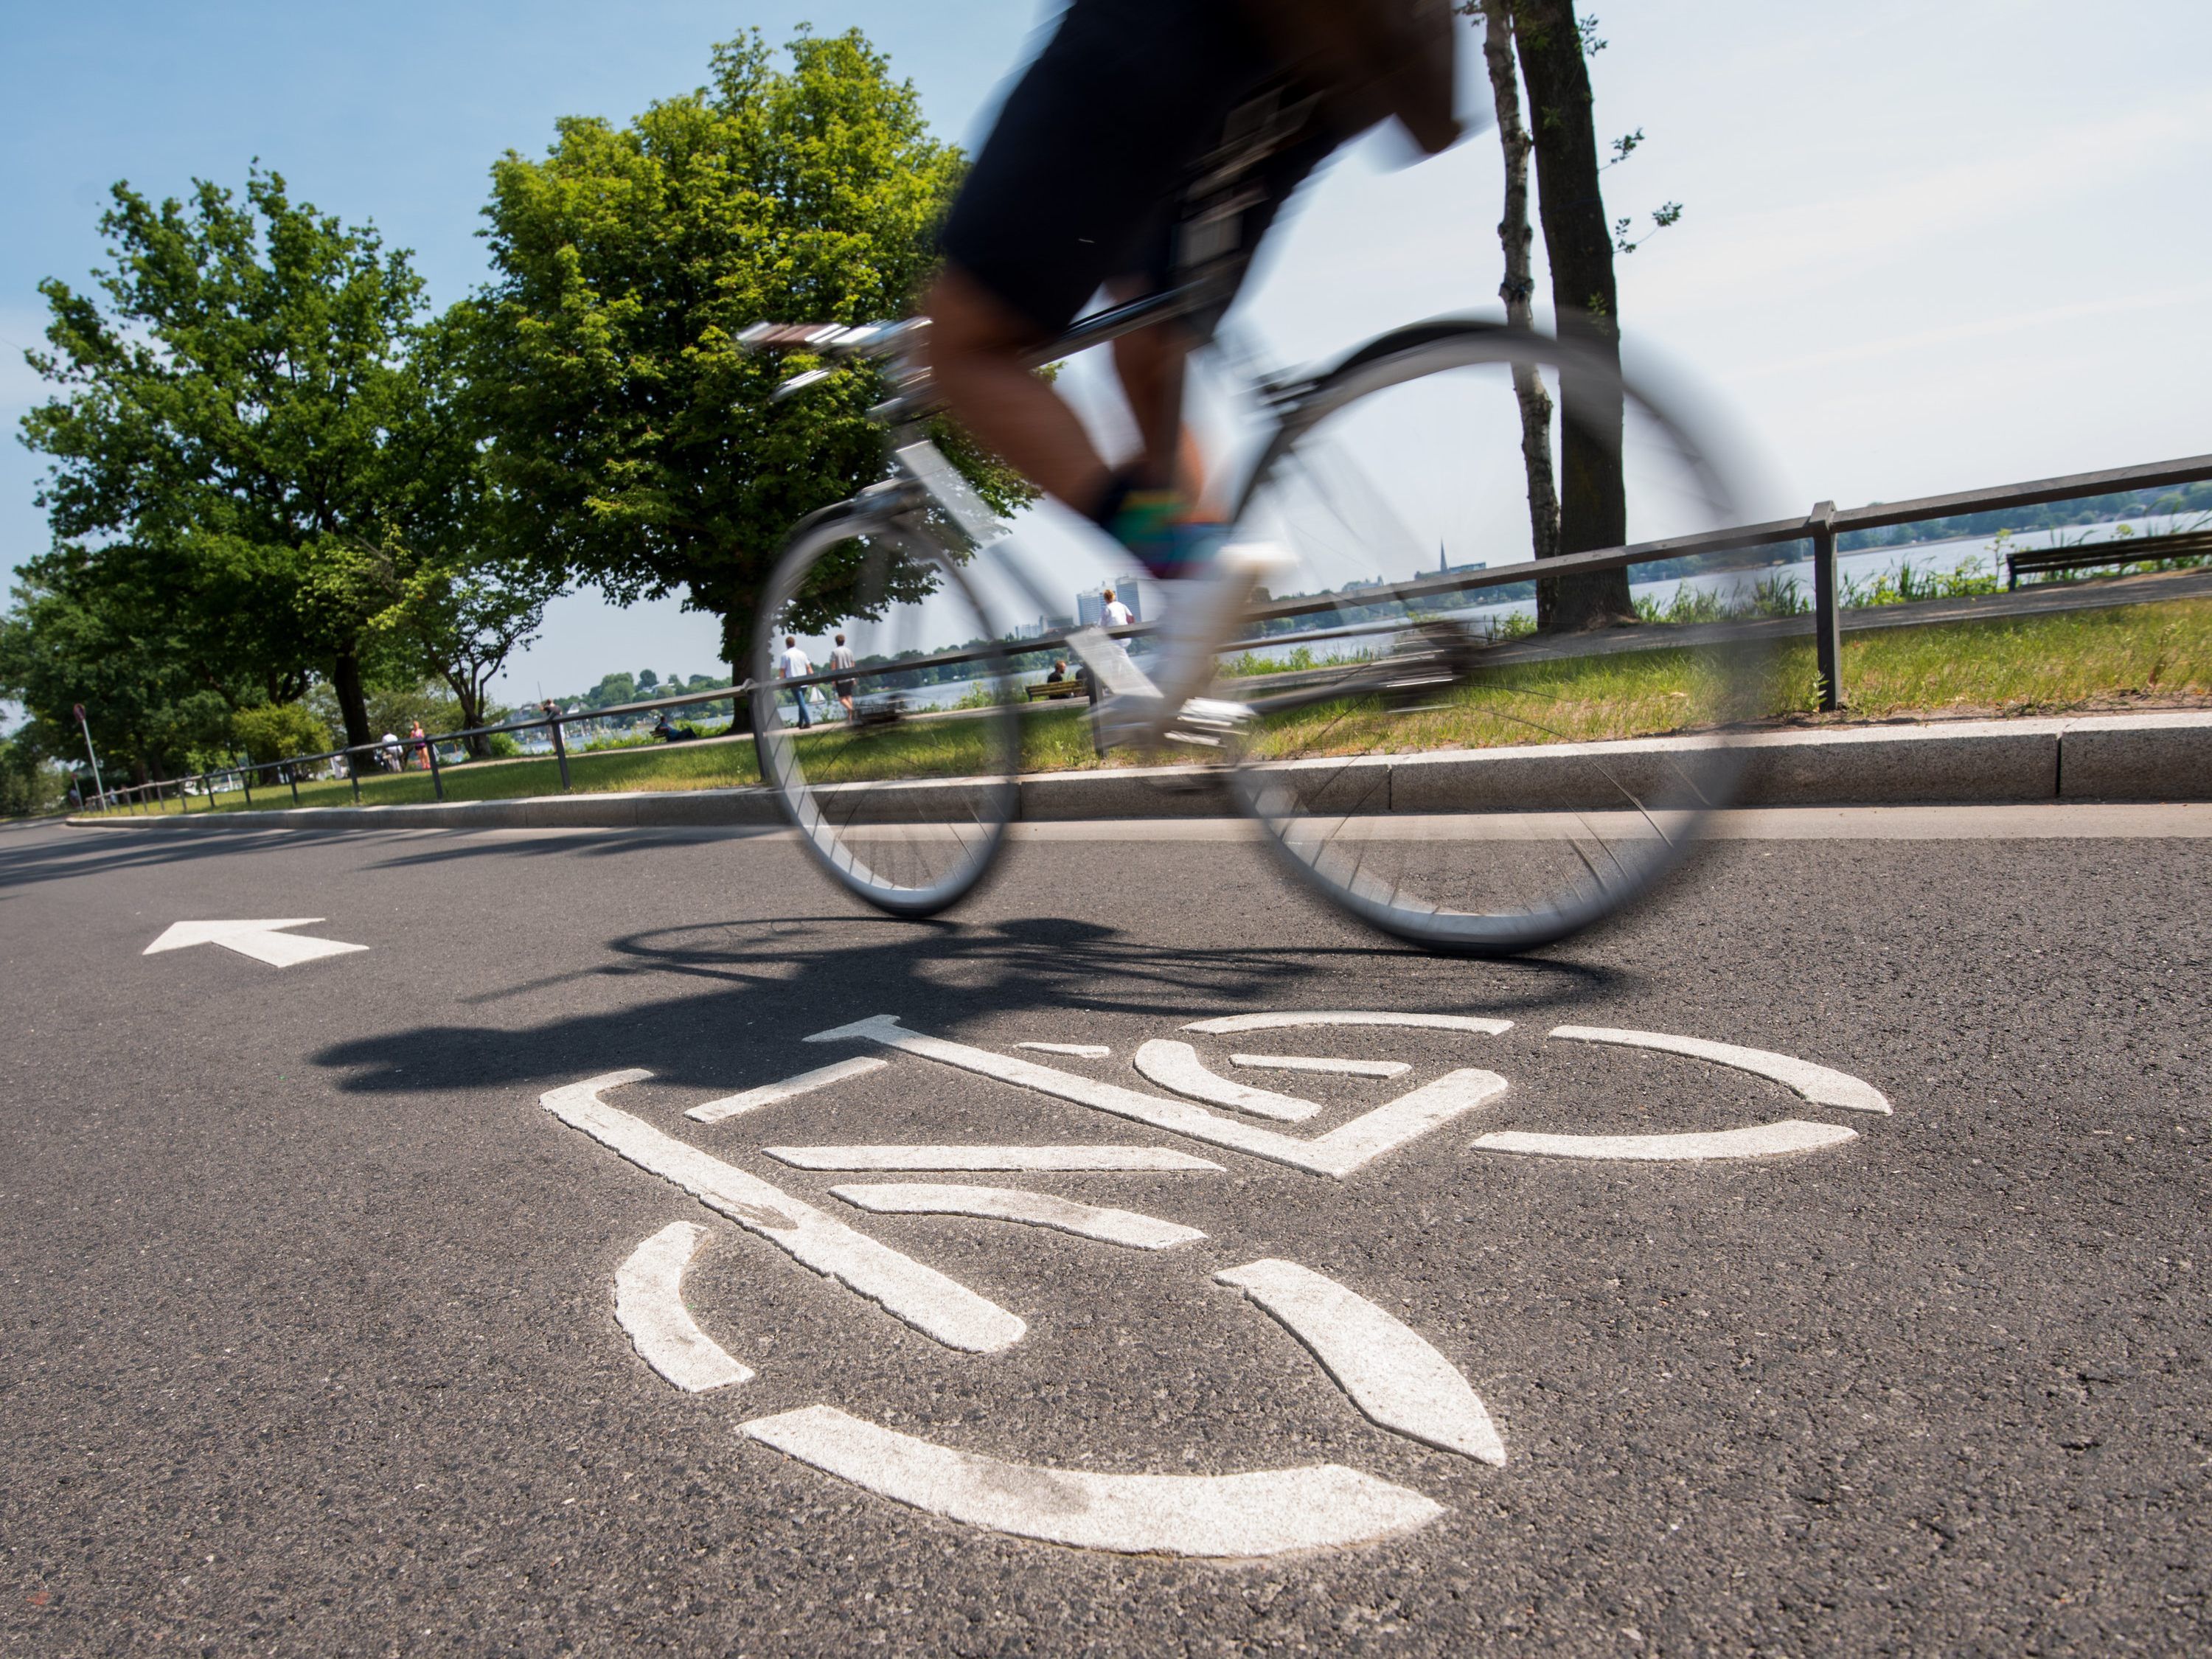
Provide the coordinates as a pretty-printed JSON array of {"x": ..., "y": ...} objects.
[{"x": 85, "y": 726}]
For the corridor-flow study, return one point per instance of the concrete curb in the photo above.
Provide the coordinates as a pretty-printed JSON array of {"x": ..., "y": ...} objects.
[{"x": 2162, "y": 756}]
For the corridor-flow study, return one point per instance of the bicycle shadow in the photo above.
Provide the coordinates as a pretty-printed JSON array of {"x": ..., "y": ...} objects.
[{"x": 741, "y": 996}]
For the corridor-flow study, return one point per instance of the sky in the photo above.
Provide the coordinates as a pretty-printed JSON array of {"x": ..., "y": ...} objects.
[{"x": 1923, "y": 248}]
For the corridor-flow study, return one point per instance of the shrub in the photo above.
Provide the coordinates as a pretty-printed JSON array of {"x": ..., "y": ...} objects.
[{"x": 273, "y": 731}]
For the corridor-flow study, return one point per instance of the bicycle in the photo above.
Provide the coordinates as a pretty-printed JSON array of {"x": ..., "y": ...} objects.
[{"x": 906, "y": 805}]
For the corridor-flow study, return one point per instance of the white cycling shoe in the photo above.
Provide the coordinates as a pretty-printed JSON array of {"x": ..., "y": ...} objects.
[{"x": 1205, "y": 613}]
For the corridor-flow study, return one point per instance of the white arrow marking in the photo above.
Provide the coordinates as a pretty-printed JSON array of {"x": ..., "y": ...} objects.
[
  {"x": 771, "y": 1094},
  {"x": 264, "y": 941},
  {"x": 934, "y": 1305},
  {"x": 649, "y": 1305},
  {"x": 1391, "y": 1373},
  {"x": 1759, "y": 1140},
  {"x": 1338, "y": 1153},
  {"x": 1818, "y": 1084},
  {"x": 1126, "y": 1227},
  {"x": 1177, "y": 1065},
  {"x": 1321, "y": 1506}
]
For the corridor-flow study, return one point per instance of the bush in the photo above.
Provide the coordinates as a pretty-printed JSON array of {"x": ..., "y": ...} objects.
[
  {"x": 274, "y": 731},
  {"x": 27, "y": 784}
]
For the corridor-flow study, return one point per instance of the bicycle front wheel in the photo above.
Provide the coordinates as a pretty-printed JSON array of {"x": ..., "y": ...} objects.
[
  {"x": 1484, "y": 770},
  {"x": 899, "y": 778}
]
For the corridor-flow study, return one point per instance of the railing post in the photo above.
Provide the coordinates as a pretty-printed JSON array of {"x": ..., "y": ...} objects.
[
  {"x": 560, "y": 749},
  {"x": 292, "y": 777},
  {"x": 245, "y": 782},
  {"x": 437, "y": 778},
  {"x": 353, "y": 776},
  {"x": 1827, "y": 606}
]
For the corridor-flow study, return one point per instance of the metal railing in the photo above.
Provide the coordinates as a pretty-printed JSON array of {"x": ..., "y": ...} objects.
[{"x": 1820, "y": 528}]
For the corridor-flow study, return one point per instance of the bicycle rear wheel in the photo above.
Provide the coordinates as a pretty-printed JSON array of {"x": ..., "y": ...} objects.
[
  {"x": 1484, "y": 771},
  {"x": 900, "y": 780}
]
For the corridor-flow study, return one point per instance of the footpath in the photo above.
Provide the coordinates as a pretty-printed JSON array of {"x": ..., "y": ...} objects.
[{"x": 2152, "y": 757}]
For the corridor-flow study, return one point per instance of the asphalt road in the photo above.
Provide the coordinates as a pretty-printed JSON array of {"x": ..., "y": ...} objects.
[{"x": 308, "y": 1340}]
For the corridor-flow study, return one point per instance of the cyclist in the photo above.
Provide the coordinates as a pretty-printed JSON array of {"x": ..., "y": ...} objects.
[{"x": 1078, "y": 188}]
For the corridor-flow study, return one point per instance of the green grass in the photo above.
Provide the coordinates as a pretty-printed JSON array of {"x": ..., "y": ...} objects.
[{"x": 2157, "y": 652}]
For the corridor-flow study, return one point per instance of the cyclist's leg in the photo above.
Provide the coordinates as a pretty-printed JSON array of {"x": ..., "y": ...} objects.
[{"x": 1067, "y": 192}]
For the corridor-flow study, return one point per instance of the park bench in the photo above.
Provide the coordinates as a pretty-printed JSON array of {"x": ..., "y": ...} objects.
[
  {"x": 2126, "y": 549},
  {"x": 1045, "y": 689}
]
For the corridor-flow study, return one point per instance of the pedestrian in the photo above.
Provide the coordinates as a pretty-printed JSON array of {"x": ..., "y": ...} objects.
[
  {"x": 389, "y": 754},
  {"x": 1113, "y": 612},
  {"x": 1058, "y": 672},
  {"x": 841, "y": 656},
  {"x": 795, "y": 666},
  {"x": 421, "y": 741}
]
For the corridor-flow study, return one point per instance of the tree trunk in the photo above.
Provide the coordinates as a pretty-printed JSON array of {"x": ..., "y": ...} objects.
[
  {"x": 1518, "y": 288},
  {"x": 353, "y": 701},
  {"x": 1578, "y": 241}
]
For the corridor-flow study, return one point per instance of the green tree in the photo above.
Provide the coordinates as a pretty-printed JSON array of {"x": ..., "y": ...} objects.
[
  {"x": 148, "y": 708},
  {"x": 219, "y": 446},
  {"x": 640, "y": 444}
]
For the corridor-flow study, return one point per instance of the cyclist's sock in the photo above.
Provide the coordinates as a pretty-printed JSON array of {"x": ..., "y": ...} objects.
[{"x": 1155, "y": 526}]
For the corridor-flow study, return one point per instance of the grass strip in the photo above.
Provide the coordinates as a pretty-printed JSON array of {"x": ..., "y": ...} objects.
[{"x": 2071, "y": 661}]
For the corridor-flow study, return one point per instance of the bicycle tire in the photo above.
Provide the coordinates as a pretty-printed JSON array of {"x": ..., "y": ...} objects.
[
  {"x": 867, "y": 818},
  {"x": 1323, "y": 829}
]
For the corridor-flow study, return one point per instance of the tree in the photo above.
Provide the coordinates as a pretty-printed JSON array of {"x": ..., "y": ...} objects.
[
  {"x": 1518, "y": 287},
  {"x": 461, "y": 593},
  {"x": 640, "y": 444},
  {"x": 218, "y": 447},
  {"x": 148, "y": 706},
  {"x": 1578, "y": 243}
]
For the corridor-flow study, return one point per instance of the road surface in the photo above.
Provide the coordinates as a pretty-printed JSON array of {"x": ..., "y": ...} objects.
[{"x": 311, "y": 1337}]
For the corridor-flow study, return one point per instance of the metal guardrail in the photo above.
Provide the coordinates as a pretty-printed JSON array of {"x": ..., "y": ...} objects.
[{"x": 1821, "y": 527}]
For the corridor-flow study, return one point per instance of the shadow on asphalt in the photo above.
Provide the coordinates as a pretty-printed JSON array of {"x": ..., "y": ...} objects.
[{"x": 751, "y": 991}]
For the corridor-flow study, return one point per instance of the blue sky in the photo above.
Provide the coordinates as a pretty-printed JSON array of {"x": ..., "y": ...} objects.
[{"x": 1924, "y": 249}]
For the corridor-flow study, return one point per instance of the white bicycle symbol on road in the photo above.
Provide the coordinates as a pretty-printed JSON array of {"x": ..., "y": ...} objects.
[{"x": 1391, "y": 1373}]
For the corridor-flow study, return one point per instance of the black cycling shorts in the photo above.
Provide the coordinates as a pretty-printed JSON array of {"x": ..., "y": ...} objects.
[{"x": 1079, "y": 181}]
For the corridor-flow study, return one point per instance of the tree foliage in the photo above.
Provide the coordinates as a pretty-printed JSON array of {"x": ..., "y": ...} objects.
[
  {"x": 220, "y": 443},
  {"x": 639, "y": 441}
]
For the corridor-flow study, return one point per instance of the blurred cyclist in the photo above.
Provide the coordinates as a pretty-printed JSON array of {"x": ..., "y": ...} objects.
[{"x": 1083, "y": 184}]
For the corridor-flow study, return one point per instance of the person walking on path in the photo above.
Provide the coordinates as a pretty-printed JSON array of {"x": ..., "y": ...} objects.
[
  {"x": 1113, "y": 613},
  {"x": 841, "y": 656},
  {"x": 793, "y": 665}
]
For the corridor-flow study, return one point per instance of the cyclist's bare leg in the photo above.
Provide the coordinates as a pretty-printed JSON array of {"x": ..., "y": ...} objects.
[
  {"x": 977, "y": 345},
  {"x": 1150, "y": 364}
]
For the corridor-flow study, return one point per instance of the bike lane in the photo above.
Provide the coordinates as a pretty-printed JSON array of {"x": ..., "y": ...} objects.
[{"x": 1346, "y": 1294}]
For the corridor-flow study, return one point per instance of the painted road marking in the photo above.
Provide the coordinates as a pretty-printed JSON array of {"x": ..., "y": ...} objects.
[
  {"x": 1338, "y": 1153},
  {"x": 1126, "y": 1227},
  {"x": 1177, "y": 1065},
  {"x": 1758, "y": 1140},
  {"x": 1322, "y": 1506},
  {"x": 264, "y": 941},
  {"x": 649, "y": 1305},
  {"x": 1391, "y": 1373},
  {"x": 1818, "y": 1084},
  {"x": 1081, "y": 1050},
  {"x": 1331, "y": 1067},
  {"x": 987, "y": 1157},
  {"x": 771, "y": 1094},
  {"x": 934, "y": 1305},
  {"x": 1235, "y": 1023}
]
